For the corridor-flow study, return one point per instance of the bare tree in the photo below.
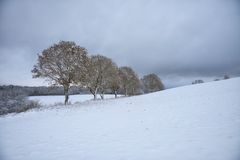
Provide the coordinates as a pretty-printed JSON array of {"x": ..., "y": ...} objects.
[
  {"x": 110, "y": 77},
  {"x": 108, "y": 70},
  {"x": 115, "y": 81},
  {"x": 129, "y": 81},
  {"x": 97, "y": 78},
  {"x": 152, "y": 83},
  {"x": 92, "y": 77},
  {"x": 60, "y": 63}
]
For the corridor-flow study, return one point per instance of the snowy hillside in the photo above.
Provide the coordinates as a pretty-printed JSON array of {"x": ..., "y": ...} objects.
[{"x": 197, "y": 122}]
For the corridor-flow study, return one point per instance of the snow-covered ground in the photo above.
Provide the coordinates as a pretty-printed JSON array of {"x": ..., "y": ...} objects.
[
  {"x": 197, "y": 122},
  {"x": 52, "y": 100}
]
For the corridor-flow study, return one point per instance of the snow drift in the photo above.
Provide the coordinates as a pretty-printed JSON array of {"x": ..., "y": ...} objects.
[{"x": 197, "y": 122}]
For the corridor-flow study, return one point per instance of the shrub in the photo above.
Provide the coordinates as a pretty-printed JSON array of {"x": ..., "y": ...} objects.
[{"x": 15, "y": 102}]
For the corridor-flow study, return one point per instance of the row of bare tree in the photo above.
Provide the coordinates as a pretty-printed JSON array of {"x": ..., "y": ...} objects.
[{"x": 68, "y": 64}]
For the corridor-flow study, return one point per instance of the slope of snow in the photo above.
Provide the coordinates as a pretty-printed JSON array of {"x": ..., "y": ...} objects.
[{"x": 198, "y": 122}]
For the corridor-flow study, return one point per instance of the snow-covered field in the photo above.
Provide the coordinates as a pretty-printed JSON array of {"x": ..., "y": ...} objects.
[
  {"x": 197, "y": 122},
  {"x": 52, "y": 100}
]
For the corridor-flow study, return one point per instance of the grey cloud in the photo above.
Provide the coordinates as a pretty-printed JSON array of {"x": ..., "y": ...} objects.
[{"x": 171, "y": 38}]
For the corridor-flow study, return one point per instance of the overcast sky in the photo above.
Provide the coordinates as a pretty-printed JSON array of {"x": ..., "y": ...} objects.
[{"x": 180, "y": 40}]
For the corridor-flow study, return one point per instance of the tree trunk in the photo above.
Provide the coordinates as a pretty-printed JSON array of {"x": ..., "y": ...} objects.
[
  {"x": 115, "y": 92},
  {"x": 125, "y": 91},
  {"x": 66, "y": 88},
  {"x": 95, "y": 94},
  {"x": 102, "y": 95},
  {"x": 133, "y": 91}
]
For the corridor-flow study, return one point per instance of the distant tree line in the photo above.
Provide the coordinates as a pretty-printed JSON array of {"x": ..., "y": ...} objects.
[
  {"x": 198, "y": 81},
  {"x": 66, "y": 64},
  {"x": 217, "y": 79},
  {"x": 147, "y": 86},
  {"x": 42, "y": 90},
  {"x": 224, "y": 77}
]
